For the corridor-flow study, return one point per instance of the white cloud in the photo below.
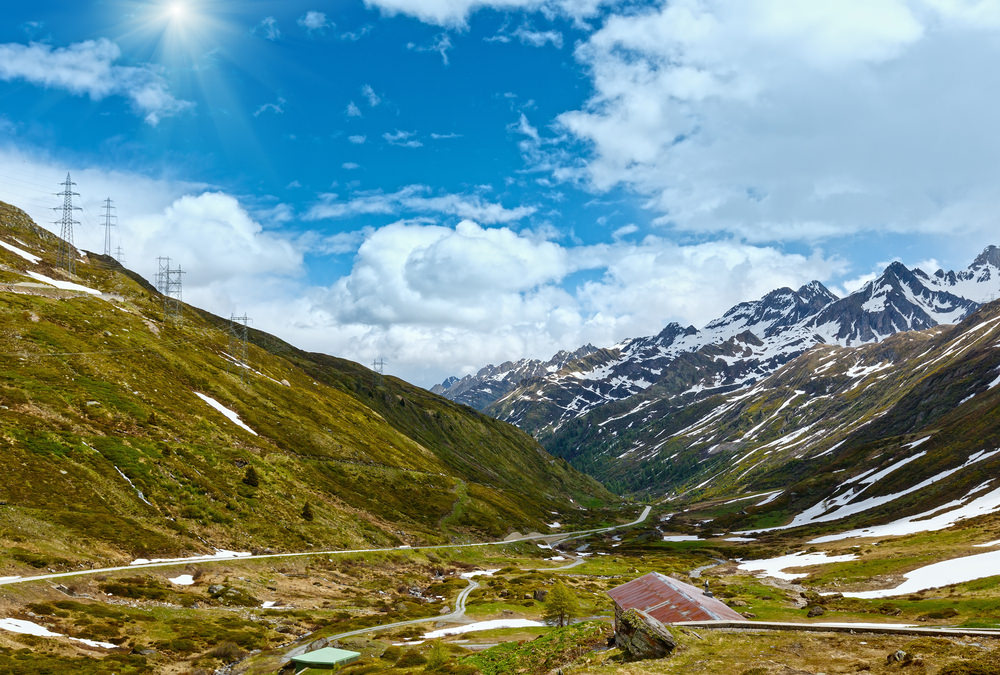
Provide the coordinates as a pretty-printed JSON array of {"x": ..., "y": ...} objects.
[
  {"x": 539, "y": 38},
  {"x": 357, "y": 139},
  {"x": 417, "y": 199},
  {"x": 268, "y": 29},
  {"x": 278, "y": 108},
  {"x": 350, "y": 166},
  {"x": 454, "y": 13},
  {"x": 779, "y": 121},
  {"x": 353, "y": 110},
  {"x": 440, "y": 45},
  {"x": 369, "y": 93},
  {"x": 314, "y": 21},
  {"x": 403, "y": 139},
  {"x": 89, "y": 68},
  {"x": 439, "y": 301}
]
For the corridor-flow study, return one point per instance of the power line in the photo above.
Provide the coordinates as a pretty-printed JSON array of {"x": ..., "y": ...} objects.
[{"x": 67, "y": 251}]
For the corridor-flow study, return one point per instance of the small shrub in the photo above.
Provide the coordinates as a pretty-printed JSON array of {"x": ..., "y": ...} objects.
[{"x": 410, "y": 658}]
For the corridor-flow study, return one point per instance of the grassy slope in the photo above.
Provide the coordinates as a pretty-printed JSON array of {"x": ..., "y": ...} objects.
[{"x": 89, "y": 384}]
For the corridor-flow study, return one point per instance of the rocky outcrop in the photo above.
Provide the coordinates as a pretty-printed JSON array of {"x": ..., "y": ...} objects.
[{"x": 639, "y": 636}]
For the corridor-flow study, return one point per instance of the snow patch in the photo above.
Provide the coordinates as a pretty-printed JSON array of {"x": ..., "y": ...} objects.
[
  {"x": 944, "y": 573},
  {"x": 774, "y": 567},
  {"x": 229, "y": 414},
  {"x": 30, "y": 257},
  {"x": 482, "y": 625},
  {"x": 65, "y": 285},
  {"x": 681, "y": 537},
  {"x": 479, "y": 573},
  {"x": 182, "y": 580},
  {"x": 30, "y": 628}
]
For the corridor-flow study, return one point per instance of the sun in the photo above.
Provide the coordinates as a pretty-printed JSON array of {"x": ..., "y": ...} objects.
[{"x": 177, "y": 11}]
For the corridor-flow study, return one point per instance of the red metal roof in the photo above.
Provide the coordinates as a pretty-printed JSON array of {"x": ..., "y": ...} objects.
[{"x": 668, "y": 600}]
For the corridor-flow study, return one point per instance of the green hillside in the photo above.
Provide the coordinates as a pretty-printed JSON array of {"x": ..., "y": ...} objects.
[{"x": 98, "y": 404}]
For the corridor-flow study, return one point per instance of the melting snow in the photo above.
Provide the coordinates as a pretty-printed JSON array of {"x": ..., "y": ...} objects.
[
  {"x": 65, "y": 285},
  {"x": 739, "y": 539},
  {"x": 773, "y": 567},
  {"x": 182, "y": 580},
  {"x": 916, "y": 443},
  {"x": 774, "y": 495},
  {"x": 30, "y": 257},
  {"x": 231, "y": 415},
  {"x": 482, "y": 625},
  {"x": 555, "y": 525},
  {"x": 137, "y": 490},
  {"x": 946, "y": 516},
  {"x": 479, "y": 573},
  {"x": 988, "y": 544},
  {"x": 680, "y": 537},
  {"x": 30, "y": 628},
  {"x": 940, "y": 574}
]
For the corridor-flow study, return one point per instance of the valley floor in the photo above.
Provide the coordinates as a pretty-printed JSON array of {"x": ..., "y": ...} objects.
[{"x": 242, "y": 615}]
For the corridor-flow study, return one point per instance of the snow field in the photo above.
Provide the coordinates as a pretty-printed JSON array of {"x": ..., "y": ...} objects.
[{"x": 774, "y": 567}]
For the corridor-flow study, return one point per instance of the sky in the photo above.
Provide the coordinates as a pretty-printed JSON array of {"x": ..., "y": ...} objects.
[{"x": 450, "y": 183}]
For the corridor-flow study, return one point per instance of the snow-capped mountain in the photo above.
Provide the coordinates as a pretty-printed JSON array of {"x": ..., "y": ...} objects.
[
  {"x": 850, "y": 436},
  {"x": 493, "y": 382},
  {"x": 979, "y": 282},
  {"x": 744, "y": 345}
]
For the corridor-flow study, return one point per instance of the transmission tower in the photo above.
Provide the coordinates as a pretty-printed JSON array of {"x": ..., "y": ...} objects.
[
  {"x": 67, "y": 251},
  {"x": 120, "y": 256},
  {"x": 110, "y": 220},
  {"x": 378, "y": 368},
  {"x": 169, "y": 283},
  {"x": 163, "y": 268},
  {"x": 238, "y": 337}
]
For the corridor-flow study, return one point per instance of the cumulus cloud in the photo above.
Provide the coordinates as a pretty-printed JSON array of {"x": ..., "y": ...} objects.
[
  {"x": 357, "y": 139},
  {"x": 448, "y": 300},
  {"x": 88, "y": 68},
  {"x": 352, "y": 110},
  {"x": 779, "y": 121},
  {"x": 416, "y": 199}
]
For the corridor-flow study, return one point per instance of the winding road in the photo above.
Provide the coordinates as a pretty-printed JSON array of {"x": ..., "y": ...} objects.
[{"x": 562, "y": 536}]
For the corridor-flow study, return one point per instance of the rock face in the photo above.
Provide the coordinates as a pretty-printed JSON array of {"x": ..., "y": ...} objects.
[{"x": 639, "y": 636}]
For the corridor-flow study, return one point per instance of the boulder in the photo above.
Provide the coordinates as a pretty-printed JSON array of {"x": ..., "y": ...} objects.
[
  {"x": 639, "y": 636},
  {"x": 816, "y": 610}
]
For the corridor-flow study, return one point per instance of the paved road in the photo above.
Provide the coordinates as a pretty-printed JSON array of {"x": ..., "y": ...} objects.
[{"x": 184, "y": 562}]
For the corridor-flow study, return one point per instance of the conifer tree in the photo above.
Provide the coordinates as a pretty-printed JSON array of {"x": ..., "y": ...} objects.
[{"x": 560, "y": 605}]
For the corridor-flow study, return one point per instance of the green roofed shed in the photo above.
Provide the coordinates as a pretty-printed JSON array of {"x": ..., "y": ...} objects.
[{"x": 327, "y": 657}]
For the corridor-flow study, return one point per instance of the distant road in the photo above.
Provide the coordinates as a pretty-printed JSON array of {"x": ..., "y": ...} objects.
[{"x": 7, "y": 581}]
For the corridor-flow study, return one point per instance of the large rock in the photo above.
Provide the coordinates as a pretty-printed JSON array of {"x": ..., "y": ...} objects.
[{"x": 639, "y": 636}]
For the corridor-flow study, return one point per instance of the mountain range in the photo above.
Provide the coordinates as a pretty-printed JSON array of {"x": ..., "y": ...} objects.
[{"x": 738, "y": 349}]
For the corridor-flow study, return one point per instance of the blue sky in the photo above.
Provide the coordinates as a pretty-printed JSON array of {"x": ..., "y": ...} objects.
[{"x": 447, "y": 183}]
